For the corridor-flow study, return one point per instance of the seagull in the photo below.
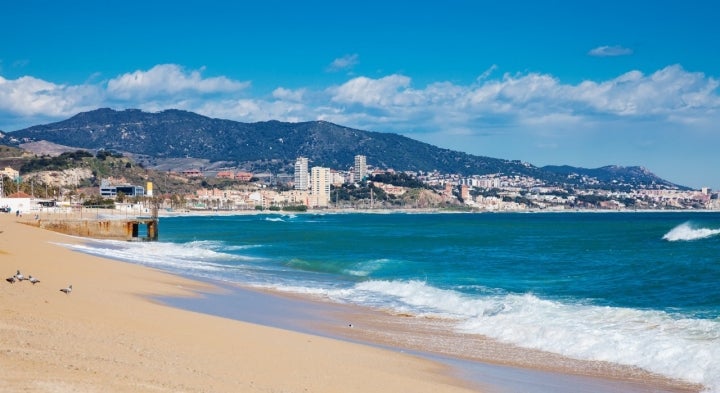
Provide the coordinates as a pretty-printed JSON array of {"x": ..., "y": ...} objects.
[
  {"x": 67, "y": 290},
  {"x": 19, "y": 276},
  {"x": 33, "y": 280},
  {"x": 11, "y": 279}
]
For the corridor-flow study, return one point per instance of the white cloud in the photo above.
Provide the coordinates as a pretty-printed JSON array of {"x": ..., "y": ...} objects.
[
  {"x": 28, "y": 96},
  {"x": 523, "y": 102},
  {"x": 169, "y": 79},
  {"x": 289, "y": 95},
  {"x": 671, "y": 90},
  {"x": 507, "y": 116},
  {"x": 343, "y": 63},
  {"x": 391, "y": 90},
  {"x": 610, "y": 51}
]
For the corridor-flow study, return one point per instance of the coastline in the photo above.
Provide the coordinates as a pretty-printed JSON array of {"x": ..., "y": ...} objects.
[
  {"x": 108, "y": 335},
  {"x": 374, "y": 330},
  {"x": 480, "y": 360}
]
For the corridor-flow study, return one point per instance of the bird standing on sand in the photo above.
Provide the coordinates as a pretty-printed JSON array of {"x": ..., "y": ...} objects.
[
  {"x": 19, "y": 276},
  {"x": 67, "y": 290},
  {"x": 11, "y": 279},
  {"x": 33, "y": 280}
]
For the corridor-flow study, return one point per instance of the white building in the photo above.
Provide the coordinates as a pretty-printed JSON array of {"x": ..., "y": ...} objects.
[
  {"x": 360, "y": 168},
  {"x": 302, "y": 182},
  {"x": 108, "y": 190},
  {"x": 320, "y": 190}
]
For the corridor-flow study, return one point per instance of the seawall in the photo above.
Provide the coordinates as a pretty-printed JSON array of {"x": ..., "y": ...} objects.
[{"x": 116, "y": 229}]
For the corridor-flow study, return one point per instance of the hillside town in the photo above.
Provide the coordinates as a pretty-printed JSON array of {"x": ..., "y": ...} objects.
[{"x": 357, "y": 188}]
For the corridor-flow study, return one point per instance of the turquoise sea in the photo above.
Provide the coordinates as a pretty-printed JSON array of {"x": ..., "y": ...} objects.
[{"x": 639, "y": 289}]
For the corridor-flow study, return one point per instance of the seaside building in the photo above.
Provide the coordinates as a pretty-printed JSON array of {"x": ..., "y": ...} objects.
[
  {"x": 464, "y": 192},
  {"x": 336, "y": 178},
  {"x": 320, "y": 190},
  {"x": 360, "y": 168},
  {"x": 301, "y": 174},
  {"x": 108, "y": 190},
  {"x": 448, "y": 190}
]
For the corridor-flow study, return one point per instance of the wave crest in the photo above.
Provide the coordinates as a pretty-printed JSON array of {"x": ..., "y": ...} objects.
[{"x": 686, "y": 232}]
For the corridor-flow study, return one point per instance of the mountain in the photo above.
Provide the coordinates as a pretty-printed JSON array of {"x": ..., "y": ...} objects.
[
  {"x": 274, "y": 146},
  {"x": 606, "y": 174}
]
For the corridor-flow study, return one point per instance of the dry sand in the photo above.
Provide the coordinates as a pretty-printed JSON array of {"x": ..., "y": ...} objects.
[{"x": 107, "y": 336}]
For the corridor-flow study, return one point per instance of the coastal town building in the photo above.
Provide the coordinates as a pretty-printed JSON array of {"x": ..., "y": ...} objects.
[
  {"x": 360, "y": 168},
  {"x": 192, "y": 173},
  {"x": 243, "y": 176},
  {"x": 225, "y": 175},
  {"x": 302, "y": 178},
  {"x": 108, "y": 190},
  {"x": 320, "y": 190},
  {"x": 464, "y": 192},
  {"x": 336, "y": 178}
]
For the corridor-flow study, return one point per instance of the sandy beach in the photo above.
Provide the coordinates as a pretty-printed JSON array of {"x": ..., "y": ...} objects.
[
  {"x": 119, "y": 331},
  {"x": 107, "y": 336}
]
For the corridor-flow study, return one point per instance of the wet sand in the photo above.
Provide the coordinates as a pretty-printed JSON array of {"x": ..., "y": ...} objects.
[{"x": 481, "y": 361}]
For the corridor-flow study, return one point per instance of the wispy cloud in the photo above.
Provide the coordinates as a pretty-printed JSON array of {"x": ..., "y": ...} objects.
[
  {"x": 282, "y": 93},
  {"x": 486, "y": 74},
  {"x": 610, "y": 51},
  {"x": 346, "y": 62},
  {"x": 20, "y": 63}
]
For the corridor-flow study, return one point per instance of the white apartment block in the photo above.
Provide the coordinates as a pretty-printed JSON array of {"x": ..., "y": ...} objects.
[
  {"x": 320, "y": 189},
  {"x": 360, "y": 168},
  {"x": 302, "y": 178}
]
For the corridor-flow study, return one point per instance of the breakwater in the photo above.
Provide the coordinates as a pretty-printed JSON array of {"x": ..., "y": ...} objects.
[{"x": 117, "y": 229}]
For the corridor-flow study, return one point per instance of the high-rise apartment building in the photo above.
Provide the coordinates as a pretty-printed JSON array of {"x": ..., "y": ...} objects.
[
  {"x": 302, "y": 178},
  {"x": 360, "y": 168},
  {"x": 320, "y": 189}
]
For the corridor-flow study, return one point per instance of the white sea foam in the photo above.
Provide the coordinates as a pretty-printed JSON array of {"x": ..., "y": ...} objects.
[
  {"x": 687, "y": 349},
  {"x": 686, "y": 232},
  {"x": 196, "y": 256},
  {"x": 364, "y": 269}
]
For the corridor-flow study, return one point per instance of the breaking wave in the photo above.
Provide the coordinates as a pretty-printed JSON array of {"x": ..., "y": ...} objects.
[{"x": 686, "y": 232}]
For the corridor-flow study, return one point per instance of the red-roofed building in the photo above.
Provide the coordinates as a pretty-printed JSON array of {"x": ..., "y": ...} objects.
[
  {"x": 192, "y": 173},
  {"x": 243, "y": 176},
  {"x": 225, "y": 175}
]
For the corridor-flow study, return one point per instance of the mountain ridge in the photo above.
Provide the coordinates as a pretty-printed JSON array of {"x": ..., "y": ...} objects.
[{"x": 274, "y": 145}]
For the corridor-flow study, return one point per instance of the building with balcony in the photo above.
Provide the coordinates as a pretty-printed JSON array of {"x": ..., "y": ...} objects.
[
  {"x": 108, "y": 190},
  {"x": 360, "y": 168},
  {"x": 302, "y": 179},
  {"x": 320, "y": 189}
]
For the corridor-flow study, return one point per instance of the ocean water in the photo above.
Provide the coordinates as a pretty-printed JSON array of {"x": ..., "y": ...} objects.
[{"x": 639, "y": 289}]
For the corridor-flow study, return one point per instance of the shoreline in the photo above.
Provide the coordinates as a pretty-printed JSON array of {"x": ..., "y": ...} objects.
[
  {"x": 108, "y": 335},
  {"x": 482, "y": 361},
  {"x": 368, "y": 326}
]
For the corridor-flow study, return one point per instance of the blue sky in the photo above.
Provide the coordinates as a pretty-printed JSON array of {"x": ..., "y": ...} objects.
[{"x": 550, "y": 83}]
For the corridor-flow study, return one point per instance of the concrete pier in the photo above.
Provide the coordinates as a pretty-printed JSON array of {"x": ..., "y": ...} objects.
[{"x": 116, "y": 229}]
